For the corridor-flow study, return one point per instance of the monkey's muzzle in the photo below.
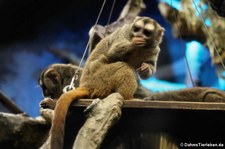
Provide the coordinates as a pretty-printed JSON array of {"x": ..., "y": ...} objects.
[{"x": 139, "y": 41}]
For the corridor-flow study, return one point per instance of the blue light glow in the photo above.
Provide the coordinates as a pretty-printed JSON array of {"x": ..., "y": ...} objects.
[
  {"x": 175, "y": 3},
  {"x": 156, "y": 85},
  {"x": 207, "y": 22},
  {"x": 23, "y": 86}
]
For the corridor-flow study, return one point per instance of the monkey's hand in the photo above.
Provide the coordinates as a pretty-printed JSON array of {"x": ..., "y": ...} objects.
[
  {"x": 144, "y": 71},
  {"x": 145, "y": 67},
  {"x": 139, "y": 41},
  {"x": 48, "y": 103}
]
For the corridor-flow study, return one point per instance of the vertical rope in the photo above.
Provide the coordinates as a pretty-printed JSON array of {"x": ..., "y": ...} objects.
[
  {"x": 111, "y": 11},
  {"x": 75, "y": 77},
  {"x": 99, "y": 14},
  {"x": 71, "y": 85}
]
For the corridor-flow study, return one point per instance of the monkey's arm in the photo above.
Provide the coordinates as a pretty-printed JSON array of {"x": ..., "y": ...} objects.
[
  {"x": 148, "y": 67},
  {"x": 120, "y": 50}
]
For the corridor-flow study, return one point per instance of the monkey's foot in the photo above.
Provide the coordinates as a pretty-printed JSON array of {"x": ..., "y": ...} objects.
[{"x": 48, "y": 103}]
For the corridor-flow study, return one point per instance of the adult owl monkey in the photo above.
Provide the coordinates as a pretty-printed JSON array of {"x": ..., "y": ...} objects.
[{"x": 111, "y": 67}]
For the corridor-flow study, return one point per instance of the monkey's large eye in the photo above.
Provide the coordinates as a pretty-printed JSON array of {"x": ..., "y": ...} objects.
[
  {"x": 147, "y": 33},
  {"x": 136, "y": 29}
]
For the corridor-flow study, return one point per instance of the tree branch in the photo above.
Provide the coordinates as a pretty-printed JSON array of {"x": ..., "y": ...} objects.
[
  {"x": 65, "y": 56},
  {"x": 100, "y": 119},
  {"x": 9, "y": 104},
  {"x": 189, "y": 26},
  {"x": 21, "y": 131}
]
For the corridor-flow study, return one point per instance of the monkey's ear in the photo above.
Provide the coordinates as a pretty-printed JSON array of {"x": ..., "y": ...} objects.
[
  {"x": 137, "y": 17},
  {"x": 40, "y": 79},
  {"x": 41, "y": 76},
  {"x": 161, "y": 30},
  {"x": 52, "y": 74}
]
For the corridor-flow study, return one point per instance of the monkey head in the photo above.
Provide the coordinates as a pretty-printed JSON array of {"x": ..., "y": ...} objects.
[
  {"x": 146, "y": 32},
  {"x": 51, "y": 83},
  {"x": 55, "y": 77}
]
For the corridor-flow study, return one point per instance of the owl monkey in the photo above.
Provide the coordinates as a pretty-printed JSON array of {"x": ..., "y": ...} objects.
[
  {"x": 53, "y": 79},
  {"x": 111, "y": 67}
]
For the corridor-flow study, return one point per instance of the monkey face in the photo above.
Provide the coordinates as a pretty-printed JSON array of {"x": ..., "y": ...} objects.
[
  {"x": 50, "y": 83},
  {"x": 144, "y": 30}
]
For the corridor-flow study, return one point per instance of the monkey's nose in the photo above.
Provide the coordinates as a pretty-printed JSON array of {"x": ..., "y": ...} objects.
[{"x": 138, "y": 34}]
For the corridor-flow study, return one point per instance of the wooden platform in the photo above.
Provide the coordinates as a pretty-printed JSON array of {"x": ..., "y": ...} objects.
[
  {"x": 163, "y": 104},
  {"x": 146, "y": 124}
]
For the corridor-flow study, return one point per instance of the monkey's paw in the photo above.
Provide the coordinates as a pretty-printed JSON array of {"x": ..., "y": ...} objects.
[
  {"x": 48, "y": 103},
  {"x": 145, "y": 67},
  {"x": 139, "y": 42}
]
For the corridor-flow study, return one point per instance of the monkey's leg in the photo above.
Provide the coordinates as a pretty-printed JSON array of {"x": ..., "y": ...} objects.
[
  {"x": 127, "y": 86},
  {"x": 141, "y": 91}
]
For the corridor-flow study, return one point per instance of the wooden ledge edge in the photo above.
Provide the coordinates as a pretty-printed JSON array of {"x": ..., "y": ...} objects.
[{"x": 182, "y": 105}]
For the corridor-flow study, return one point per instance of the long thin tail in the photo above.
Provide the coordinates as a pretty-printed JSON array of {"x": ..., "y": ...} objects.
[
  {"x": 196, "y": 94},
  {"x": 60, "y": 113}
]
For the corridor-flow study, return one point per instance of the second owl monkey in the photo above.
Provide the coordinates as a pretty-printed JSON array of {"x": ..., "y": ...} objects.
[{"x": 111, "y": 67}]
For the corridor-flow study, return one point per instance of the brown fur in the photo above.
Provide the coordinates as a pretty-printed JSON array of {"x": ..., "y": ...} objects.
[
  {"x": 111, "y": 68},
  {"x": 196, "y": 94},
  {"x": 53, "y": 79}
]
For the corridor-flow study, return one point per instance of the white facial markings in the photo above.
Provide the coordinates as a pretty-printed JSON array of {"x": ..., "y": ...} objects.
[
  {"x": 139, "y": 23},
  {"x": 150, "y": 26}
]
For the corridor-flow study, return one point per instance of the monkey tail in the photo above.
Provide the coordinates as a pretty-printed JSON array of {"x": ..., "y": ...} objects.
[{"x": 60, "y": 113}]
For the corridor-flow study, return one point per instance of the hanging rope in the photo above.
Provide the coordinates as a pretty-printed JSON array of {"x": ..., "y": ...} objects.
[
  {"x": 111, "y": 12},
  {"x": 75, "y": 77},
  {"x": 210, "y": 37},
  {"x": 185, "y": 57},
  {"x": 96, "y": 22}
]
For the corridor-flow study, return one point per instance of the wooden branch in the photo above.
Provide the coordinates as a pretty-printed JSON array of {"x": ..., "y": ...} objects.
[
  {"x": 21, "y": 131},
  {"x": 183, "y": 27},
  {"x": 100, "y": 119},
  {"x": 65, "y": 56},
  {"x": 188, "y": 26},
  {"x": 175, "y": 105},
  {"x": 9, "y": 104},
  {"x": 101, "y": 116},
  {"x": 132, "y": 9}
]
